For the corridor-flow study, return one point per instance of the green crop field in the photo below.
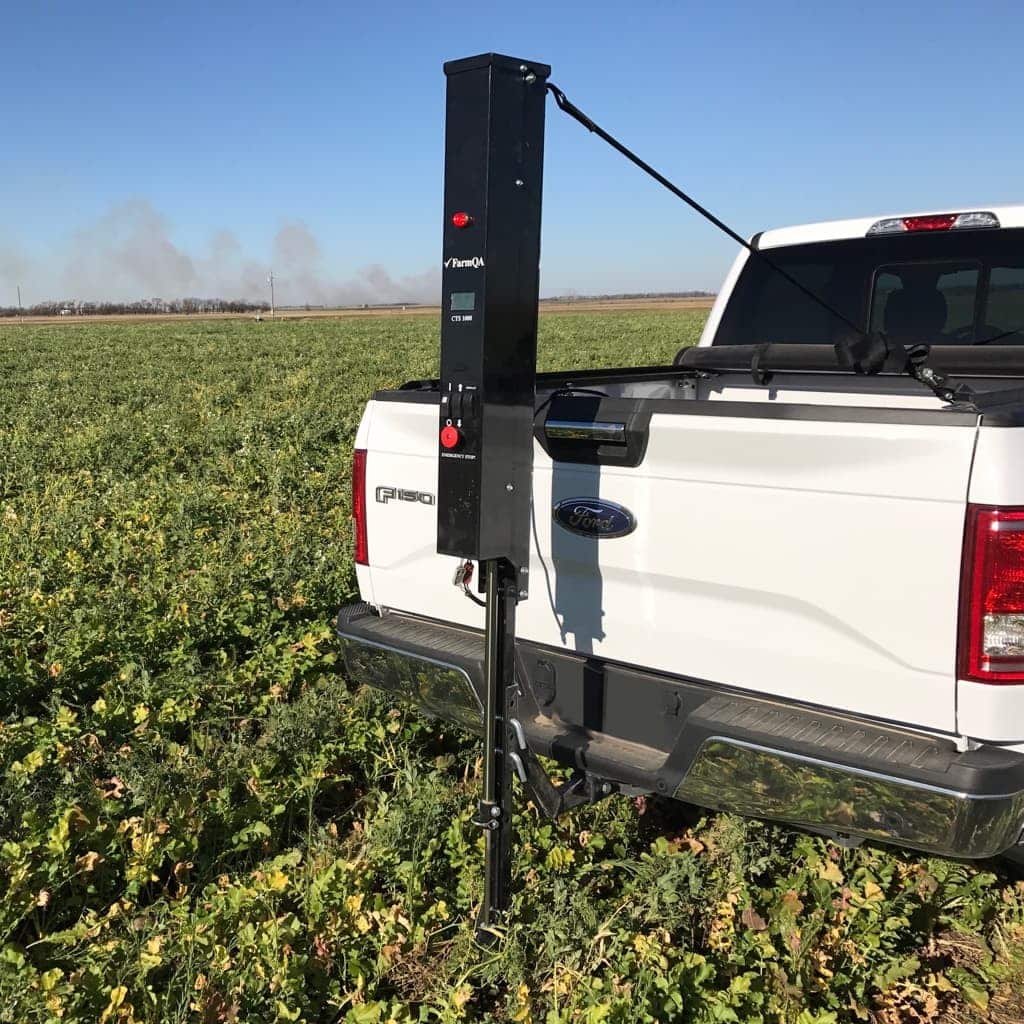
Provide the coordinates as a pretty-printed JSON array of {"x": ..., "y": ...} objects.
[{"x": 202, "y": 819}]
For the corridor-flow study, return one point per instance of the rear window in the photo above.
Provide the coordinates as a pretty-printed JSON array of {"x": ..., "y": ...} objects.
[{"x": 936, "y": 288}]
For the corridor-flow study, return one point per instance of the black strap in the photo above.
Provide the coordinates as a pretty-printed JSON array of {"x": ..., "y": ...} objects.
[
  {"x": 866, "y": 354},
  {"x": 760, "y": 376}
]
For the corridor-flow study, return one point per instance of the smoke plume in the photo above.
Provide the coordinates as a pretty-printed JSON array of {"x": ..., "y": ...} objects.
[{"x": 128, "y": 254}]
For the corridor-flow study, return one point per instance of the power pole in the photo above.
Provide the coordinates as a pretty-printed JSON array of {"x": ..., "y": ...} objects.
[
  {"x": 270, "y": 281},
  {"x": 19, "y": 301}
]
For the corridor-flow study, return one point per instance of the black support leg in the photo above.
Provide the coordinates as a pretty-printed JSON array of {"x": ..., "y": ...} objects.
[{"x": 494, "y": 813}]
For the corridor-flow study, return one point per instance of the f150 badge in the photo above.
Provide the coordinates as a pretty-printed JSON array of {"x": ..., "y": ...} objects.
[
  {"x": 593, "y": 517},
  {"x": 386, "y": 494}
]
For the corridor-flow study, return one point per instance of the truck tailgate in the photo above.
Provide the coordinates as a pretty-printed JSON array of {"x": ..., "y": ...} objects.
[{"x": 808, "y": 552}]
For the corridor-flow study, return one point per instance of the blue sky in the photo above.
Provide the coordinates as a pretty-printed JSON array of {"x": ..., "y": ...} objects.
[{"x": 151, "y": 148}]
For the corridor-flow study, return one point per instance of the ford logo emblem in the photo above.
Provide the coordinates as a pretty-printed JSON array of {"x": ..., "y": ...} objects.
[{"x": 593, "y": 517}]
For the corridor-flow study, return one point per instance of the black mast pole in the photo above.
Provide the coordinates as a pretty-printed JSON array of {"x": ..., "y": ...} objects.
[
  {"x": 494, "y": 146},
  {"x": 494, "y": 813}
]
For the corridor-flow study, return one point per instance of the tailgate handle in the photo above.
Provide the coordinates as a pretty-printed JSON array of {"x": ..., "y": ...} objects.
[{"x": 586, "y": 430}]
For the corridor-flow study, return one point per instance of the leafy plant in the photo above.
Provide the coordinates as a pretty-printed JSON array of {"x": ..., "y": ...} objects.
[{"x": 201, "y": 819}]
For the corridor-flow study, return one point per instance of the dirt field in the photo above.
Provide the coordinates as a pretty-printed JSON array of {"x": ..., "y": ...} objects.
[{"x": 560, "y": 306}]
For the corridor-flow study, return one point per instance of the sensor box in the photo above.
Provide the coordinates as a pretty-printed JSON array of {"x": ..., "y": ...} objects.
[{"x": 494, "y": 151}]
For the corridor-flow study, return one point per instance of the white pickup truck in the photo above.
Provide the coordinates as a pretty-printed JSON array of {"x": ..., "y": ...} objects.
[{"x": 759, "y": 581}]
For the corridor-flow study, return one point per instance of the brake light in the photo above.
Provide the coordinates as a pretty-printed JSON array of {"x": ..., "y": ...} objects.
[
  {"x": 359, "y": 506},
  {"x": 992, "y": 596},
  {"x": 943, "y": 222},
  {"x": 935, "y": 222}
]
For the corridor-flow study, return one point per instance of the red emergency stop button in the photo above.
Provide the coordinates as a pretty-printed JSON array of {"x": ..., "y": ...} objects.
[{"x": 450, "y": 436}]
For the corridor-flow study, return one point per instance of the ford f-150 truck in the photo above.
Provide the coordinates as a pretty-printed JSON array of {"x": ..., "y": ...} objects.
[{"x": 759, "y": 581}]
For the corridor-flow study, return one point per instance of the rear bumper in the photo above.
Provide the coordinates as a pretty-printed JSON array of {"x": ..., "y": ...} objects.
[{"x": 718, "y": 748}]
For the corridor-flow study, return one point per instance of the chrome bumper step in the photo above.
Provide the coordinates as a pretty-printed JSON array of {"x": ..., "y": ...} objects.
[{"x": 704, "y": 744}]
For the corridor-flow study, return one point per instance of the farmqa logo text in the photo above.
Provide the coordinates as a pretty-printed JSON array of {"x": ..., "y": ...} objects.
[{"x": 475, "y": 262}]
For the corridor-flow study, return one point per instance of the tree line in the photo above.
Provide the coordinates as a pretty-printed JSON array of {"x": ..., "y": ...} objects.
[
  {"x": 574, "y": 296},
  {"x": 76, "y": 307},
  {"x": 144, "y": 307}
]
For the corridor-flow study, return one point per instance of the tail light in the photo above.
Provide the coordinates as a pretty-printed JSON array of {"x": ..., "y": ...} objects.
[
  {"x": 359, "y": 506},
  {"x": 992, "y": 596}
]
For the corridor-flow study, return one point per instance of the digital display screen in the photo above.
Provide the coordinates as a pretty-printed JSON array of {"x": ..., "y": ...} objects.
[{"x": 463, "y": 302}]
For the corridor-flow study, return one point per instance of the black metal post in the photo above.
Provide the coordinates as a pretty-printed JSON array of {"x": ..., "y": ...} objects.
[
  {"x": 494, "y": 813},
  {"x": 494, "y": 157}
]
